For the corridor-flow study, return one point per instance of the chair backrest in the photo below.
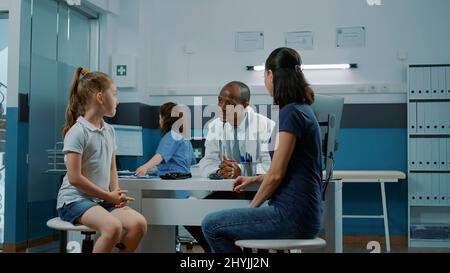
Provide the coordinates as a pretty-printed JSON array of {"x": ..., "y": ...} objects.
[{"x": 328, "y": 110}]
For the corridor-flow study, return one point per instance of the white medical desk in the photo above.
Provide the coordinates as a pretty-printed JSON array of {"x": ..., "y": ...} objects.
[{"x": 155, "y": 199}]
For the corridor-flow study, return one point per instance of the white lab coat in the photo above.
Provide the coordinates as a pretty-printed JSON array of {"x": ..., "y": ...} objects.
[{"x": 255, "y": 137}]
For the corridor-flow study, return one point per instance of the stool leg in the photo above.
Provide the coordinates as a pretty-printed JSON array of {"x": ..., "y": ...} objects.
[
  {"x": 63, "y": 242},
  {"x": 88, "y": 243},
  {"x": 385, "y": 217}
]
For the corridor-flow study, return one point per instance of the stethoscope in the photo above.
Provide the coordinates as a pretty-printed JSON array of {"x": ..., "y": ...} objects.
[{"x": 224, "y": 150}]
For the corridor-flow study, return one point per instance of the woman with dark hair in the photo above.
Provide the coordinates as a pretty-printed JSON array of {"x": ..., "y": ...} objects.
[
  {"x": 174, "y": 154},
  {"x": 294, "y": 181}
]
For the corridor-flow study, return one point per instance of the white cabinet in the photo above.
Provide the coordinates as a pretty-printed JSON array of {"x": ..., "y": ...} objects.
[{"x": 429, "y": 155}]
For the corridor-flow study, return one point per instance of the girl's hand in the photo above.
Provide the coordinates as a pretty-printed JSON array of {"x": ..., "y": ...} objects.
[
  {"x": 116, "y": 197},
  {"x": 243, "y": 181},
  {"x": 141, "y": 171},
  {"x": 125, "y": 202}
]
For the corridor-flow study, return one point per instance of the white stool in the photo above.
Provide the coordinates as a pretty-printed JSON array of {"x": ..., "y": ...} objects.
[
  {"x": 63, "y": 227},
  {"x": 283, "y": 244}
]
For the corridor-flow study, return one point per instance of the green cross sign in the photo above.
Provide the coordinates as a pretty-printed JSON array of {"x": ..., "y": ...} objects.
[
  {"x": 198, "y": 152},
  {"x": 121, "y": 70}
]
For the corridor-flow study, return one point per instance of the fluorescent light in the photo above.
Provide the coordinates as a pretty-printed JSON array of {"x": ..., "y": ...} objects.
[
  {"x": 311, "y": 67},
  {"x": 328, "y": 66},
  {"x": 256, "y": 68}
]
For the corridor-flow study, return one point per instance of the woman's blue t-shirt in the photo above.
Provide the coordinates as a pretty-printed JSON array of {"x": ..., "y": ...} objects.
[
  {"x": 177, "y": 153},
  {"x": 300, "y": 194}
]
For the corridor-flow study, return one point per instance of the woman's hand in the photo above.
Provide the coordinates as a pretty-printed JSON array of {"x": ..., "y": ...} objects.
[
  {"x": 142, "y": 170},
  {"x": 244, "y": 181}
]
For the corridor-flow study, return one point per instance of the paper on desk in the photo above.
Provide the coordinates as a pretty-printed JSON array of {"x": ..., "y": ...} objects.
[{"x": 137, "y": 177}]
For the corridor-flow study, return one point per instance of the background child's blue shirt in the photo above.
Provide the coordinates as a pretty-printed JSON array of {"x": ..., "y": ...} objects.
[{"x": 177, "y": 153}]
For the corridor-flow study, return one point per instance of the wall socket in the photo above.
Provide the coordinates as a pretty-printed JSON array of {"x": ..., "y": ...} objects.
[
  {"x": 372, "y": 88},
  {"x": 361, "y": 89},
  {"x": 188, "y": 49},
  {"x": 171, "y": 91},
  {"x": 384, "y": 88}
]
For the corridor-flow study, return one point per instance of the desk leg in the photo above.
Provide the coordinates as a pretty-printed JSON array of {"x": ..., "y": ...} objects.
[
  {"x": 385, "y": 217},
  {"x": 333, "y": 217},
  {"x": 159, "y": 239}
]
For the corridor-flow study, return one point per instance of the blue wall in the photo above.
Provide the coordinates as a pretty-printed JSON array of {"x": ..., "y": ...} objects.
[
  {"x": 38, "y": 215},
  {"x": 374, "y": 149},
  {"x": 16, "y": 187}
]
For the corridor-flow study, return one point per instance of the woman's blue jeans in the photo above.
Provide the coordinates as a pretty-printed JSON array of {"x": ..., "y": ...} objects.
[{"x": 223, "y": 228}]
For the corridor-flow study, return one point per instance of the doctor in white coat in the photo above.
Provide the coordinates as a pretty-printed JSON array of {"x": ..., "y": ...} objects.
[{"x": 239, "y": 133}]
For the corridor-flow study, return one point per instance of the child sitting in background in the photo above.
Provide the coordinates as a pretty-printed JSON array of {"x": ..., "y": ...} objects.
[{"x": 174, "y": 154}]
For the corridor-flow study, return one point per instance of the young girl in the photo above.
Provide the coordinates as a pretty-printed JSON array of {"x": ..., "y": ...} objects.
[
  {"x": 174, "y": 153},
  {"x": 294, "y": 180},
  {"x": 90, "y": 194}
]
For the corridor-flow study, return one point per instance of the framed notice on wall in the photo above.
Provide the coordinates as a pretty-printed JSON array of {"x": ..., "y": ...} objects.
[
  {"x": 351, "y": 37},
  {"x": 249, "y": 41},
  {"x": 301, "y": 40}
]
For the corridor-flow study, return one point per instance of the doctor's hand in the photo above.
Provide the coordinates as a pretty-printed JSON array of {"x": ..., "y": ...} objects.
[
  {"x": 244, "y": 181},
  {"x": 229, "y": 168}
]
